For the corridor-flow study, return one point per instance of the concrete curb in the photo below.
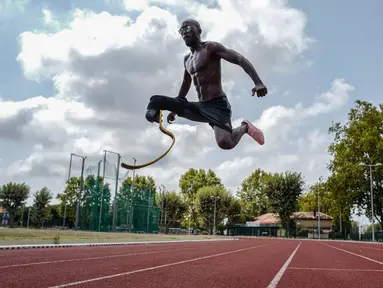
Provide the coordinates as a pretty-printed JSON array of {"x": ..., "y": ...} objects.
[{"x": 27, "y": 246}]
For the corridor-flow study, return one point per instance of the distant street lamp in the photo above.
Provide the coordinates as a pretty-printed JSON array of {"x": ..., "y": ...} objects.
[{"x": 372, "y": 196}]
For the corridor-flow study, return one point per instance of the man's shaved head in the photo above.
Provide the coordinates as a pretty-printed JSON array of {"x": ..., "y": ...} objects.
[
  {"x": 191, "y": 32},
  {"x": 192, "y": 22}
]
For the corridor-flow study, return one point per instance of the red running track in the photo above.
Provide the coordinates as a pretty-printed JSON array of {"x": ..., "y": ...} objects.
[{"x": 243, "y": 263}]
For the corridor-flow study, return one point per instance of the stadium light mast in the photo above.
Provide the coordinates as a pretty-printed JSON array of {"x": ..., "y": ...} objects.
[
  {"x": 116, "y": 188},
  {"x": 319, "y": 190},
  {"x": 372, "y": 196},
  {"x": 131, "y": 200},
  {"x": 319, "y": 214},
  {"x": 81, "y": 189},
  {"x": 66, "y": 194}
]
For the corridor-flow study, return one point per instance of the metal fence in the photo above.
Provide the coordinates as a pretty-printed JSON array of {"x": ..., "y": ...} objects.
[{"x": 136, "y": 209}]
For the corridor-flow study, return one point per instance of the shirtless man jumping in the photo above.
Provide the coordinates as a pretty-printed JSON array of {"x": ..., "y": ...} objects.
[{"x": 203, "y": 65}]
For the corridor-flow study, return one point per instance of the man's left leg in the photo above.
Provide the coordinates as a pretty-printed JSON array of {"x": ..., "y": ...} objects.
[
  {"x": 161, "y": 102},
  {"x": 181, "y": 106},
  {"x": 228, "y": 140}
]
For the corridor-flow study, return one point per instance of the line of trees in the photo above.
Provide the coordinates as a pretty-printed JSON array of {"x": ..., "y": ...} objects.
[
  {"x": 201, "y": 192},
  {"x": 347, "y": 189},
  {"x": 202, "y": 201},
  {"x": 13, "y": 198}
]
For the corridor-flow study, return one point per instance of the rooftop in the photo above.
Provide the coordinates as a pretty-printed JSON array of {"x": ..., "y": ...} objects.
[{"x": 272, "y": 218}]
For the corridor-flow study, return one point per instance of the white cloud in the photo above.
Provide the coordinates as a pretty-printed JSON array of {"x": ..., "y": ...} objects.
[
  {"x": 105, "y": 67},
  {"x": 318, "y": 140},
  {"x": 280, "y": 123},
  {"x": 238, "y": 168},
  {"x": 8, "y": 8},
  {"x": 331, "y": 100}
]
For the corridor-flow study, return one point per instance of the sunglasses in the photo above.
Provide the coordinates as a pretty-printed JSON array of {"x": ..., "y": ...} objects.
[{"x": 187, "y": 28}]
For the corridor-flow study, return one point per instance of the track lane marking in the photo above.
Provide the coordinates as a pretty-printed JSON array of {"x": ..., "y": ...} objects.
[
  {"x": 335, "y": 269},
  {"x": 156, "y": 267},
  {"x": 364, "y": 247},
  {"x": 282, "y": 271},
  {"x": 355, "y": 254},
  {"x": 93, "y": 258}
]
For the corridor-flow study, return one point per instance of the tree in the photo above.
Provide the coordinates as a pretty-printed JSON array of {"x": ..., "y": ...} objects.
[
  {"x": 309, "y": 201},
  {"x": 143, "y": 186},
  {"x": 341, "y": 205},
  {"x": 283, "y": 191},
  {"x": 56, "y": 219},
  {"x": 253, "y": 198},
  {"x": 191, "y": 182},
  {"x": 12, "y": 197},
  {"x": 41, "y": 212},
  {"x": 210, "y": 199},
  {"x": 71, "y": 192},
  {"x": 234, "y": 209},
  {"x": 106, "y": 213},
  {"x": 90, "y": 199},
  {"x": 141, "y": 182},
  {"x": 355, "y": 227},
  {"x": 144, "y": 194},
  {"x": 174, "y": 209},
  {"x": 369, "y": 228},
  {"x": 90, "y": 203},
  {"x": 124, "y": 198},
  {"x": 359, "y": 140}
]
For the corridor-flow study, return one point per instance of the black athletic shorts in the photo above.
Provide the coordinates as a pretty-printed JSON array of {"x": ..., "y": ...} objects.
[{"x": 216, "y": 112}]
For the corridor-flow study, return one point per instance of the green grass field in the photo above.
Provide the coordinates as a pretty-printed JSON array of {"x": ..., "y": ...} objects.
[{"x": 24, "y": 236}]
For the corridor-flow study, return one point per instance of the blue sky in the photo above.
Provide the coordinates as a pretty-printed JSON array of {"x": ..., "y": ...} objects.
[{"x": 346, "y": 46}]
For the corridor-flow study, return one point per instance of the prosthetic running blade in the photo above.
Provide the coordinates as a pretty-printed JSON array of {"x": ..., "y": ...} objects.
[{"x": 163, "y": 130}]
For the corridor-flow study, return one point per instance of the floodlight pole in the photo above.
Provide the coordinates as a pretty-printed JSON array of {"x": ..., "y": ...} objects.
[
  {"x": 99, "y": 192},
  {"x": 131, "y": 198},
  {"x": 116, "y": 188},
  {"x": 319, "y": 189},
  {"x": 79, "y": 196},
  {"x": 318, "y": 214},
  {"x": 66, "y": 193},
  {"x": 372, "y": 196},
  {"x": 102, "y": 191}
]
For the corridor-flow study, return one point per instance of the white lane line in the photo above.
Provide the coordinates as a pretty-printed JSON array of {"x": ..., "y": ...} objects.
[
  {"x": 156, "y": 267},
  {"x": 93, "y": 258},
  {"x": 335, "y": 269},
  {"x": 279, "y": 275},
  {"x": 355, "y": 254},
  {"x": 369, "y": 248}
]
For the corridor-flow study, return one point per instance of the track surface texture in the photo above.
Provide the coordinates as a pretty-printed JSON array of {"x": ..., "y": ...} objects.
[{"x": 241, "y": 263}]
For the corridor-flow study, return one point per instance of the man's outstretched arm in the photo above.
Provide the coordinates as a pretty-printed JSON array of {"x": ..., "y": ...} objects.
[
  {"x": 235, "y": 58},
  {"x": 186, "y": 83}
]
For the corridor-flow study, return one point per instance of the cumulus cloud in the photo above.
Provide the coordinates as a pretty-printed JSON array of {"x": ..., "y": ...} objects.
[
  {"x": 9, "y": 8},
  {"x": 280, "y": 123},
  {"x": 331, "y": 100},
  {"x": 105, "y": 67}
]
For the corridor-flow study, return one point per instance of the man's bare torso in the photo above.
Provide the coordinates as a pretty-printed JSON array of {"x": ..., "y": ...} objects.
[{"x": 205, "y": 69}]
